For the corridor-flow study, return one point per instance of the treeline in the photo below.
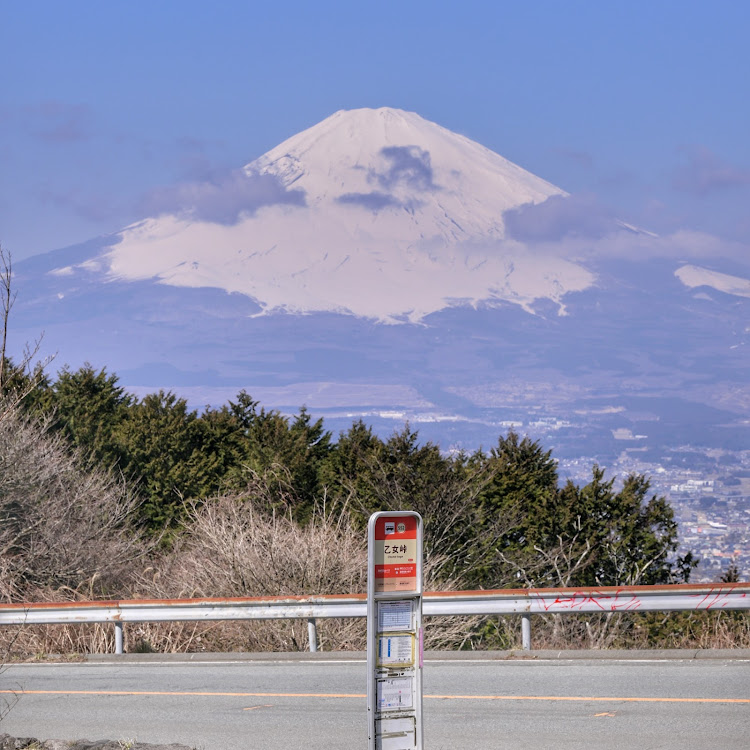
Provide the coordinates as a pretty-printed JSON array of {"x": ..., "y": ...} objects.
[
  {"x": 491, "y": 517},
  {"x": 106, "y": 494}
]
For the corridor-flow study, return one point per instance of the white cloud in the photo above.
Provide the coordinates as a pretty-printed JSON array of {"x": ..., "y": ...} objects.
[{"x": 223, "y": 199}]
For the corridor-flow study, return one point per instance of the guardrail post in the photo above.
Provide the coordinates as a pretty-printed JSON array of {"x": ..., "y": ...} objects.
[
  {"x": 312, "y": 634},
  {"x": 118, "y": 637},
  {"x": 526, "y": 632}
]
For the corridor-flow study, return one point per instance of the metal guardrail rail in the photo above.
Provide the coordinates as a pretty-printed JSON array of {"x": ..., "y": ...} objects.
[{"x": 524, "y": 602}]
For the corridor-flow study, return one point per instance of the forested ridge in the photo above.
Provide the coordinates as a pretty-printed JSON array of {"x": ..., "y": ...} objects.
[{"x": 103, "y": 494}]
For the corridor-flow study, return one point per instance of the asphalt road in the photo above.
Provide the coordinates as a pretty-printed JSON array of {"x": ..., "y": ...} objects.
[{"x": 310, "y": 703}]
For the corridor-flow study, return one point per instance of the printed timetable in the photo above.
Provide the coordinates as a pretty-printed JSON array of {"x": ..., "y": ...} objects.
[{"x": 393, "y": 616}]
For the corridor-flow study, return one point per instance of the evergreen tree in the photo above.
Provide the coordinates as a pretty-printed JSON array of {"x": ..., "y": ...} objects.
[
  {"x": 732, "y": 573},
  {"x": 89, "y": 405},
  {"x": 574, "y": 536},
  {"x": 343, "y": 474},
  {"x": 523, "y": 487},
  {"x": 310, "y": 447},
  {"x": 516, "y": 507},
  {"x": 288, "y": 456},
  {"x": 160, "y": 444},
  {"x": 223, "y": 450}
]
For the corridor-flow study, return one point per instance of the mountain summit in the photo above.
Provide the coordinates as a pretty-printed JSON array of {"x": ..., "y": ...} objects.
[{"x": 376, "y": 213}]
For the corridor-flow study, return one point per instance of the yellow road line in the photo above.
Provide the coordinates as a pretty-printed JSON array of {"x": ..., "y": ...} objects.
[
  {"x": 574, "y": 698},
  {"x": 181, "y": 692},
  {"x": 597, "y": 698}
]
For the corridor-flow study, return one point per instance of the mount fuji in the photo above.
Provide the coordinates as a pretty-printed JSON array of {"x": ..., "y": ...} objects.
[
  {"x": 375, "y": 213},
  {"x": 378, "y": 264}
]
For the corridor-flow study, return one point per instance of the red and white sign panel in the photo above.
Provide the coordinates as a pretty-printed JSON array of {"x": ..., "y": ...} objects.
[{"x": 396, "y": 554}]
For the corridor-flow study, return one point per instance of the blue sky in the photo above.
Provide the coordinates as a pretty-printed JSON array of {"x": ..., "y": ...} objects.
[{"x": 639, "y": 107}]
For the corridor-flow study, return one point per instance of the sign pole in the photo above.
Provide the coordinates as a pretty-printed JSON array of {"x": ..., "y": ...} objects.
[{"x": 394, "y": 631}]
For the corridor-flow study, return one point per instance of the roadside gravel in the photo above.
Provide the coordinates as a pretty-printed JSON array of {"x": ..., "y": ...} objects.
[{"x": 31, "y": 743}]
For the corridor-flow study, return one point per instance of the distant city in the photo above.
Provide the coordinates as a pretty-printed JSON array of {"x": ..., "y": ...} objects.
[{"x": 708, "y": 487}]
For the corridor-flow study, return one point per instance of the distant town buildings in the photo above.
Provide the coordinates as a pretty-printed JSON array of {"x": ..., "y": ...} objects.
[{"x": 712, "y": 507}]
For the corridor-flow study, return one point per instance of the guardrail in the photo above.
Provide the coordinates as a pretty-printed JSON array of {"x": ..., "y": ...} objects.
[{"x": 524, "y": 602}]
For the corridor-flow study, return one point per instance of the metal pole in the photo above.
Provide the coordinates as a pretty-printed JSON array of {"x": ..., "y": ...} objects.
[
  {"x": 526, "y": 632},
  {"x": 118, "y": 637},
  {"x": 312, "y": 635}
]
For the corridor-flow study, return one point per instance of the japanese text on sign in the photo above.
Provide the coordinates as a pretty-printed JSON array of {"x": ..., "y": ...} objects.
[{"x": 396, "y": 554}]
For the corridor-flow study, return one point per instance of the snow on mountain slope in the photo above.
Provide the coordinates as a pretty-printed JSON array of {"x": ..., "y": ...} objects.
[
  {"x": 376, "y": 213},
  {"x": 397, "y": 158},
  {"x": 694, "y": 276}
]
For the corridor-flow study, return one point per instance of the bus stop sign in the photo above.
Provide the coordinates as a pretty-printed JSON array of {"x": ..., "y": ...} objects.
[{"x": 394, "y": 631}]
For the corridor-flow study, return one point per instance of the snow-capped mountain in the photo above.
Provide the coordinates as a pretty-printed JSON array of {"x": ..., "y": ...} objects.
[
  {"x": 516, "y": 302},
  {"x": 695, "y": 276},
  {"x": 375, "y": 213}
]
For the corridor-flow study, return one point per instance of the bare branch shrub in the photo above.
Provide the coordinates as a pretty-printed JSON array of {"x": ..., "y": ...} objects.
[
  {"x": 17, "y": 380},
  {"x": 240, "y": 546},
  {"x": 557, "y": 567},
  {"x": 232, "y": 547},
  {"x": 60, "y": 527},
  {"x": 7, "y": 299}
]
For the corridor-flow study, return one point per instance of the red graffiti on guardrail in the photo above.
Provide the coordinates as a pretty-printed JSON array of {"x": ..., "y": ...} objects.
[
  {"x": 717, "y": 599},
  {"x": 620, "y": 600},
  {"x": 630, "y": 598}
]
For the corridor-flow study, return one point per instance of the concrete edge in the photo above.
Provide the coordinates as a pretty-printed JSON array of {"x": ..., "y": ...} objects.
[
  {"x": 265, "y": 656},
  {"x": 513, "y": 655},
  {"x": 593, "y": 655}
]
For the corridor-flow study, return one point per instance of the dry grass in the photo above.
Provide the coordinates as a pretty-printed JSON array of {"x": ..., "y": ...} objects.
[{"x": 652, "y": 630}]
